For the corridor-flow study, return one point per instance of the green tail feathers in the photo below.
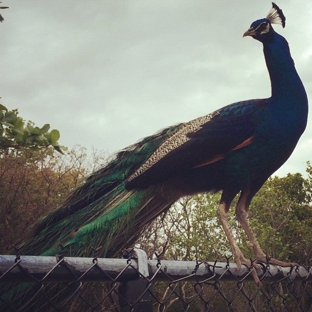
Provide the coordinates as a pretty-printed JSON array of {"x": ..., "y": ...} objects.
[{"x": 102, "y": 212}]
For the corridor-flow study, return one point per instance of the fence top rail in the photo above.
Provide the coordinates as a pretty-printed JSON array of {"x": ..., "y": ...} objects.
[{"x": 69, "y": 269}]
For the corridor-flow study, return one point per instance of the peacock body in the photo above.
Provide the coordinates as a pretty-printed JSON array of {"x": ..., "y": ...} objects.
[{"x": 234, "y": 150}]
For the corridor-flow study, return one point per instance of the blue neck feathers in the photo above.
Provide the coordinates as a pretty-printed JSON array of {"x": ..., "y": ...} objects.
[{"x": 289, "y": 99}]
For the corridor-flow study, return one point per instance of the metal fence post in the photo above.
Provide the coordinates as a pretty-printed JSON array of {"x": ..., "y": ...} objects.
[{"x": 136, "y": 295}]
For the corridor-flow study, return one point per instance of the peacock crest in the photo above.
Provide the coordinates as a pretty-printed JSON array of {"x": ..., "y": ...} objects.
[{"x": 276, "y": 15}]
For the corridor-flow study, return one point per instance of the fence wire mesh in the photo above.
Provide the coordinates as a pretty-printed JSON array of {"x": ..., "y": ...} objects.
[{"x": 137, "y": 284}]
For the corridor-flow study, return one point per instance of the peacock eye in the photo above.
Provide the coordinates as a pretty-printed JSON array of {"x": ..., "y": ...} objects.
[{"x": 263, "y": 28}]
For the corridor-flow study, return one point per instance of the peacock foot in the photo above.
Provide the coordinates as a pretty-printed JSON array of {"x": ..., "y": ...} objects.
[
  {"x": 252, "y": 265},
  {"x": 268, "y": 260}
]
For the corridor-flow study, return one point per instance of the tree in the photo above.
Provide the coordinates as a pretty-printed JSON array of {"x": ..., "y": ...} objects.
[
  {"x": 188, "y": 231},
  {"x": 15, "y": 133},
  {"x": 36, "y": 181},
  {"x": 281, "y": 215}
]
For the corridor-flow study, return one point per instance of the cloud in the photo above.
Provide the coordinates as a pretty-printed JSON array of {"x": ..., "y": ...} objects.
[{"x": 108, "y": 73}]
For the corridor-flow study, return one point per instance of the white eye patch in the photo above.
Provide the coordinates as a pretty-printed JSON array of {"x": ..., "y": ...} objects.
[{"x": 264, "y": 28}]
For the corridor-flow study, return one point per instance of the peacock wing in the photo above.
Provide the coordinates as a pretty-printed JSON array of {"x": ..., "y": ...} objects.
[{"x": 201, "y": 142}]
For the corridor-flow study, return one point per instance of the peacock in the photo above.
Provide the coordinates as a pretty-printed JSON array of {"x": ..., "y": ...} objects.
[{"x": 234, "y": 150}]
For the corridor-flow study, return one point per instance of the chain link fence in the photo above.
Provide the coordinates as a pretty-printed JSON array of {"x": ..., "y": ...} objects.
[{"x": 30, "y": 283}]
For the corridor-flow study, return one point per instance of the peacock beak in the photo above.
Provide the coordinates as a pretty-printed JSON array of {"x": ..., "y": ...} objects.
[{"x": 250, "y": 32}]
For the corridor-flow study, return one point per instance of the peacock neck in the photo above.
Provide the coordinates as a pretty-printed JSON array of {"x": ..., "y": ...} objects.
[
  {"x": 288, "y": 103},
  {"x": 285, "y": 81}
]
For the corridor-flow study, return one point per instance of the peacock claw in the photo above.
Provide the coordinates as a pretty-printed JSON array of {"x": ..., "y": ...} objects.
[
  {"x": 254, "y": 264},
  {"x": 267, "y": 260},
  {"x": 251, "y": 265}
]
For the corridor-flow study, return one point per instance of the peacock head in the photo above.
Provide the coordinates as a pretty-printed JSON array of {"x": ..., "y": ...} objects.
[{"x": 262, "y": 29}]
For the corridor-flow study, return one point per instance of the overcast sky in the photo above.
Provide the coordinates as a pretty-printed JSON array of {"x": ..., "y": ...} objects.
[{"x": 108, "y": 73}]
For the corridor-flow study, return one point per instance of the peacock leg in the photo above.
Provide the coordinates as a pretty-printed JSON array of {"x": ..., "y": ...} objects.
[
  {"x": 242, "y": 217},
  {"x": 239, "y": 258},
  {"x": 222, "y": 213}
]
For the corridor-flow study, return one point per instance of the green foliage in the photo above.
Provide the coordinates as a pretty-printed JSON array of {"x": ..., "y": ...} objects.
[
  {"x": 199, "y": 234},
  {"x": 281, "y": 216},
  {"x": 190, "y": 230},
  {"x": 308, "y": 183},
  {"x": 16, "y": 134}
]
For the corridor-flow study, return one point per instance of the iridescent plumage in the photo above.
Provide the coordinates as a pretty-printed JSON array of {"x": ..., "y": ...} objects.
[{"x": 233, "y": 150}]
